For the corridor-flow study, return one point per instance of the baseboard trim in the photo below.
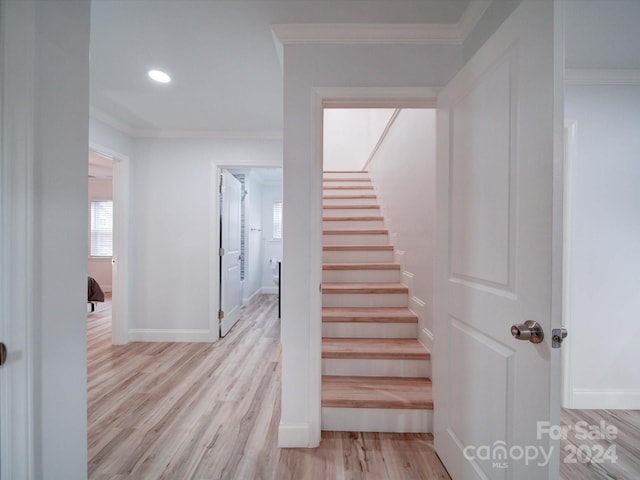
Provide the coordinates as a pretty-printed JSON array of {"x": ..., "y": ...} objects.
[
  {"x": 252, "y": 298},
  {"x": 106, "y": 288},
  {"x": 170, "y": 336},
  {"x": 269, "y": 290},
  {"x": 293, "y": 435},
  {"x": 591, "y": 399}
]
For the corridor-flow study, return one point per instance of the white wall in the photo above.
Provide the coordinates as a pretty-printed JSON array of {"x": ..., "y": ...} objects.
[
  {"x": 604, "y": 253},
  {"x": 100, "y": 189},
  {"x": 403, "y": 173},
  {"x": 306, "y": 67},
  {"x": 174, "y": 232},
  {"x": 272, "y": 248},
  {"x": 350, "y": 135}
]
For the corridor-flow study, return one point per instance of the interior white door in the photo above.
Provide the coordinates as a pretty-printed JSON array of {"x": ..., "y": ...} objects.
[
  {"x": 496, "y": 396},
  {"x": 230, "y": 285},
  {"x": 17, "y": 382}
]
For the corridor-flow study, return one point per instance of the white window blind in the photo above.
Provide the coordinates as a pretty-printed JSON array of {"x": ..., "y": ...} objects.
[
  {"x": 101, "y": 228},
  {"x": 277, "y": 220}
]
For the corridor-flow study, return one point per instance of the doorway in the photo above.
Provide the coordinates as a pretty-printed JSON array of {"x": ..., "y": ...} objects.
[
  {"x": 250, "y": 204},
  {"x": 111, "y": 169}
]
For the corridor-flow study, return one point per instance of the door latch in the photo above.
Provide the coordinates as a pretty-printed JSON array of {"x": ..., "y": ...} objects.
[
  {"x": 557, "y": 336},
  {"x": 3, "y": 353}
]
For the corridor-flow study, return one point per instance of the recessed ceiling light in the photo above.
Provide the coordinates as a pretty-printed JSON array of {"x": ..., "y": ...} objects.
[{"x": 159, "y": 76}]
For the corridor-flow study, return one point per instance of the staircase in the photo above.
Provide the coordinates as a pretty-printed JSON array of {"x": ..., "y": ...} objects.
[{"x": 375, "y": 373}]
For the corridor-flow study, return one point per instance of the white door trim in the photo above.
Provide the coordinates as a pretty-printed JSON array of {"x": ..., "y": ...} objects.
[
  {"x": 568, "y": 351},
  {"x": 120, "y": 270},
  {"x": 338, "y": 97}
]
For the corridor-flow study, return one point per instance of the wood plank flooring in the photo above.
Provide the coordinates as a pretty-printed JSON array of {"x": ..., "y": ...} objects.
[
  {"x": 583, "y": 456},
  {"x": 200, "y": 411}
]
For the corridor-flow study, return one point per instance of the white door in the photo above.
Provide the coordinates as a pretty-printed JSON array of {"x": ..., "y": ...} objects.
[
  {"x": 17, "y": 292},
  {"x": 230, "y": 285},
  {"x": 495, "y": 396}
]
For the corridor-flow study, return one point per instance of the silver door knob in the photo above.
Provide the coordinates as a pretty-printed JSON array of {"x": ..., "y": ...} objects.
[{"x": 529, "y": 330}]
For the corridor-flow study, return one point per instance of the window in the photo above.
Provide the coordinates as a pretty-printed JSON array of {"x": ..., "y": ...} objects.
[
  {"x": 101, "y": 228},
  {"x": 277, "y": 220}
]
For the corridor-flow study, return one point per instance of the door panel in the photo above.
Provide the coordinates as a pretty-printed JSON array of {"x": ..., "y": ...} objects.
[
  {"x": 230, "y": 284},
  {"x": 494, "y": 255}
]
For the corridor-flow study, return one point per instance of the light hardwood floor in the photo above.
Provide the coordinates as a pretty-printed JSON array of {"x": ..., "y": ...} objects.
[
  {"x": 593, "y": 455},
  {"x": 197, "y": 411}
]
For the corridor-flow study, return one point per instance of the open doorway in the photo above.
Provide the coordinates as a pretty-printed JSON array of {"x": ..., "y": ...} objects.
[
  {"x": 378, "y": 200},
  {"x": 250, "y": 206},
  {"x": 109, "y": 190},
  {"x": 100, "y": 235}
]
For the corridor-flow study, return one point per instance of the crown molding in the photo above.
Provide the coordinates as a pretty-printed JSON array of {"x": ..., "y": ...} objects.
[
  {"x": 380, "y": 33},
  {"x": 110, "y": 121},
  {"x": 216, "y": 134},
  {"x": 597, "y": 76},
  {"x": 367, "y": 34}
]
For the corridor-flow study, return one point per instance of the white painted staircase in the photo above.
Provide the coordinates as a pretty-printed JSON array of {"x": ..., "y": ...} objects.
[{"x": 375, "y": 373}]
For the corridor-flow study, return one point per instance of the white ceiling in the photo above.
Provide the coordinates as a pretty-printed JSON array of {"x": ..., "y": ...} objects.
[
  {"x": 226, "y": 74},
  {"x": 220, "y": 53}
]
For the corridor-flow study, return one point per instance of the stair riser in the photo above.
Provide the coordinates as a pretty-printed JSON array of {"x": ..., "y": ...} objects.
[
  {"x": 369, "y": 330},
  {"x": 326, "y": 175},
  {"x": 357, "y": 256},
  {"x": 352, "y": 224},
  {"x": 364, "y": 300},
  {"x": 349, "y": 201},
  {"x": 350, "y": 212},
  {"x": 377, "y": 420},
  {"x": 345, "y": 183},
  {"x": 372, "y": 367},
  {"x": 334, "y": 190},
  {"x": 359, "y": 239},
  {"x": 358, "y": 276}
]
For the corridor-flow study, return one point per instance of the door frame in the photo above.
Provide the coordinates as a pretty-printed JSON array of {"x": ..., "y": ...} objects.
[
  {"x": 214, "y": 235},
  {"x": 338, "y": 97},
  {"x": 121, "y": 240},
  {"x": 568, "y": 350}
]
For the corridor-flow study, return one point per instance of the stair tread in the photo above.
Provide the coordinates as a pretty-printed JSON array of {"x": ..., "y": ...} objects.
[
  {"x": 356, "y": 231},
  {"x": 379, "y": 348},
  {"x": 361, "y": 266},
  {"x": 376, "y": 392},
  {"x": 347, "y": 179},
  {"x": 372, "y": 218},
  {"x": 369, "y": 314},
  {"x": 351, "y": 207},
  {"x": 349, "y": 196},
  {"x": 364, "y": 287},
  {"x": 356, "y": 247}
]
